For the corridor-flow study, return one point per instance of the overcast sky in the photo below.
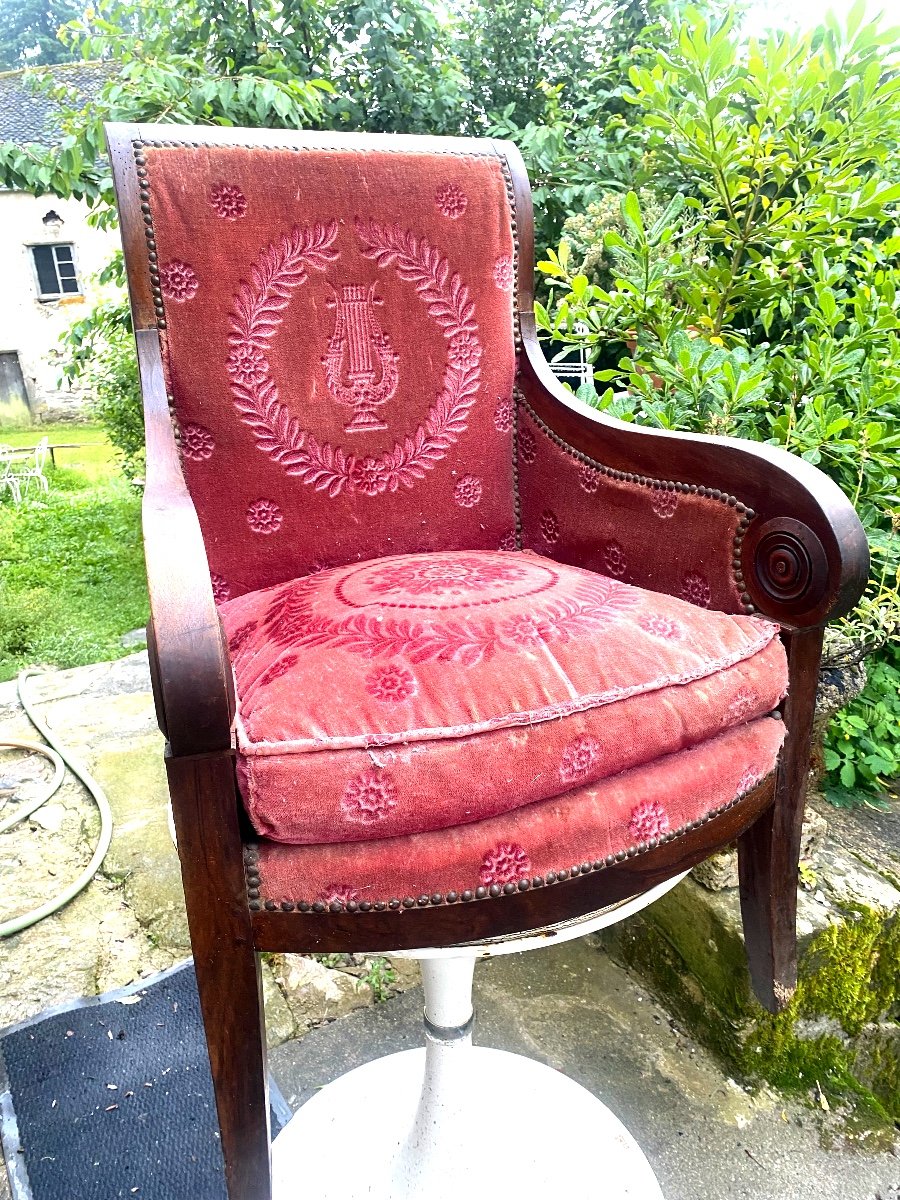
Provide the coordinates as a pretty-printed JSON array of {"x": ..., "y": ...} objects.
[{"x": 804, "y": 14}]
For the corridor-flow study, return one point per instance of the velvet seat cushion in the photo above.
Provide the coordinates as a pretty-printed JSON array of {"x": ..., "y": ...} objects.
[
  {"x": 584, "y": 830},
  {"x": 423, "y": 692}
]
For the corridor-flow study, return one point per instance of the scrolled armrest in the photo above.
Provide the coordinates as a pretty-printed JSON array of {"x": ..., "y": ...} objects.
[
  {"x": 802, "y": 556},
  {"x": 190, "y": 666}
]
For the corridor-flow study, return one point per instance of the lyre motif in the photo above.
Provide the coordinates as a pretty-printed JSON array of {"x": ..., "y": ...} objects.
[{"x": 360, "y": 366}]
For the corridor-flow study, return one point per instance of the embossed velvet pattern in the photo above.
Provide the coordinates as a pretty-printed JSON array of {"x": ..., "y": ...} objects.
[
  {"x": 583, "y": 826},
  {"x": 677, "y": 542},
  {"x": 422, "y": 691},
  {"x": 338, "y": 342}
]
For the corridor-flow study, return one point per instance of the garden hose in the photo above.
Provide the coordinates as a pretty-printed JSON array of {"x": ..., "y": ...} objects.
[
  {"x": 33, "y": 805},
  {"x": 54, "y": 751}
]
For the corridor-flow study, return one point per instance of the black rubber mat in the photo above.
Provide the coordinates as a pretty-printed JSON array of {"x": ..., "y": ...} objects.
[{"x": 112, "y": 1097}]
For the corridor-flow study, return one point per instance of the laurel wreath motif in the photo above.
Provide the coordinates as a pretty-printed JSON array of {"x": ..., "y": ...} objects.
[
  {"x": 293, "y": 622},
  {"x": 257, "y": 314}
]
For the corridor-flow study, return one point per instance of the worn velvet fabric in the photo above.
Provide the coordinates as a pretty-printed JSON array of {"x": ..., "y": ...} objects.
[
  {"x": 584, "y": 826},
  {"x": 338, "y": 344},
  {"x": 644, "y": 532},
  {"x": 422, "y": 706},
  {"x": 420, "y": 692}
]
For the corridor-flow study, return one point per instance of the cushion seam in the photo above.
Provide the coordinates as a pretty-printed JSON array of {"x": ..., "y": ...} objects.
[{"x": 250, "y": 748}]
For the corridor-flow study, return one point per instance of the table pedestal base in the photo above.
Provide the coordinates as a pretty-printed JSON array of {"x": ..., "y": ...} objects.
[{"x": 455, "y": 1121}]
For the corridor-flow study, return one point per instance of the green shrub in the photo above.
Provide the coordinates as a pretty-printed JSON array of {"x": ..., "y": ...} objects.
[
  {"x": 102, "y": 359},
  {"x": 862, "y": 747},
  {"x": 753, "y": 289}
]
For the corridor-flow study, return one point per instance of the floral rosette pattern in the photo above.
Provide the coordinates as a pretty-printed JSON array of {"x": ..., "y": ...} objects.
[
  {"x": 462, "y": 630},
  {"x": 257, "y": 314}
]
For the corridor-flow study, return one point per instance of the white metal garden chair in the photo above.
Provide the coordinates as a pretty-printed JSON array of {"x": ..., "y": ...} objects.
[
  {"x": 9, "y": 480},
  {"x": 33, "y": 472}
]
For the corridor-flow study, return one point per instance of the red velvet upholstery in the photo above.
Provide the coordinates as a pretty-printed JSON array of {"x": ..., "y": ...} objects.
[
  {"x": 425, "y": 691},
  {"x": 338, "y": 343},
  {"x": 581, "y": 512},
  {"x": 579, "y": 831},
  {"x": 339, "y": 347}
]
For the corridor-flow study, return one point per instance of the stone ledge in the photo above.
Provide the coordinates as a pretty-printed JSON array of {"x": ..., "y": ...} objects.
[{"x": 839, "y": 1039}]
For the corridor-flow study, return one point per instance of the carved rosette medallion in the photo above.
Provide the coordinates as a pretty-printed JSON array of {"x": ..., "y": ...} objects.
[{"x": 788, "y": 567}]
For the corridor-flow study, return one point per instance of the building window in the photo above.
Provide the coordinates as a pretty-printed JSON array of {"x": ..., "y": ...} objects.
[{"x": 54, "y": 270}]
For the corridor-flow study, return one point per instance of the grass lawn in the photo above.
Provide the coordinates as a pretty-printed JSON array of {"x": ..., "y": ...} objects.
[
  {"x": 71, "y": 564},
  {"x": 93, "y": 459}
]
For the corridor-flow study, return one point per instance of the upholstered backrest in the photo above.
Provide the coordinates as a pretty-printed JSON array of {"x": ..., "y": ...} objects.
[{"x": 337, "y": 328}]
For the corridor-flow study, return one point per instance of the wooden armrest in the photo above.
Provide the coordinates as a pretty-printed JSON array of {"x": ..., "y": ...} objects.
[
  {"x": 804, "y": 558},
  {"x": 189, "y": 657}
]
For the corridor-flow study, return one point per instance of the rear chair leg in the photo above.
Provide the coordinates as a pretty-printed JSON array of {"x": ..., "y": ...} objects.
[
  {"x": 204, "y": 803},
  {"x": 769, "y": 852}
]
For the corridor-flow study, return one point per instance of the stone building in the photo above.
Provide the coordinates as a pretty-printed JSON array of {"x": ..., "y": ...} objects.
[{"x": 49, "y": 257}]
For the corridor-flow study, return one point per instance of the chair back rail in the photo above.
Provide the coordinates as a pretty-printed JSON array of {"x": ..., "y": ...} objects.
[{"x": 337, "y": 333}]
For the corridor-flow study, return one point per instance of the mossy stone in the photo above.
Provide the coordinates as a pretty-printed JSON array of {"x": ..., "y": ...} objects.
[
  {"x": 839, "y": 1035},
  {"x": 142, "y": 855},
  {"x": 877, "y": 1064},
  {"x": 849, "y": 981},
  {"x": 852, "y": 971}
]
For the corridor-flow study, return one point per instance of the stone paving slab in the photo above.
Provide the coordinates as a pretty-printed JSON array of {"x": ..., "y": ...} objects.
[
  {"x": 130, "y": 921},
  {"x": 96, "y": 943}
]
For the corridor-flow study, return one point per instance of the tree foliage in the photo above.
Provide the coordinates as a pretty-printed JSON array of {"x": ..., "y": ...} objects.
[
  {"x": 518, "y": 53},
  {"x": 176, "y": 65},
  {"x": 551, "y": 76},
  {"x": 548, "y": 73},
  {"x": 28, "y": 32},
  {"x": 782, "y": 144},
  {"x": 388, "y": 66},
  {"x": 779, "y": 159}
]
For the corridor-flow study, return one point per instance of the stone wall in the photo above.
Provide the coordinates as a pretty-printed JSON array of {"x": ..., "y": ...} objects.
[{"x": 30, "y": 327}]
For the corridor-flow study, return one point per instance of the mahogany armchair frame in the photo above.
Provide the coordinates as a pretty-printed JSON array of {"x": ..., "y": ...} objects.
[{"x": 803, "y": 561}]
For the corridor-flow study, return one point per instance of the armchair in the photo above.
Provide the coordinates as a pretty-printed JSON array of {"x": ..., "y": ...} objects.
[{"x": 441, "y": 657}]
